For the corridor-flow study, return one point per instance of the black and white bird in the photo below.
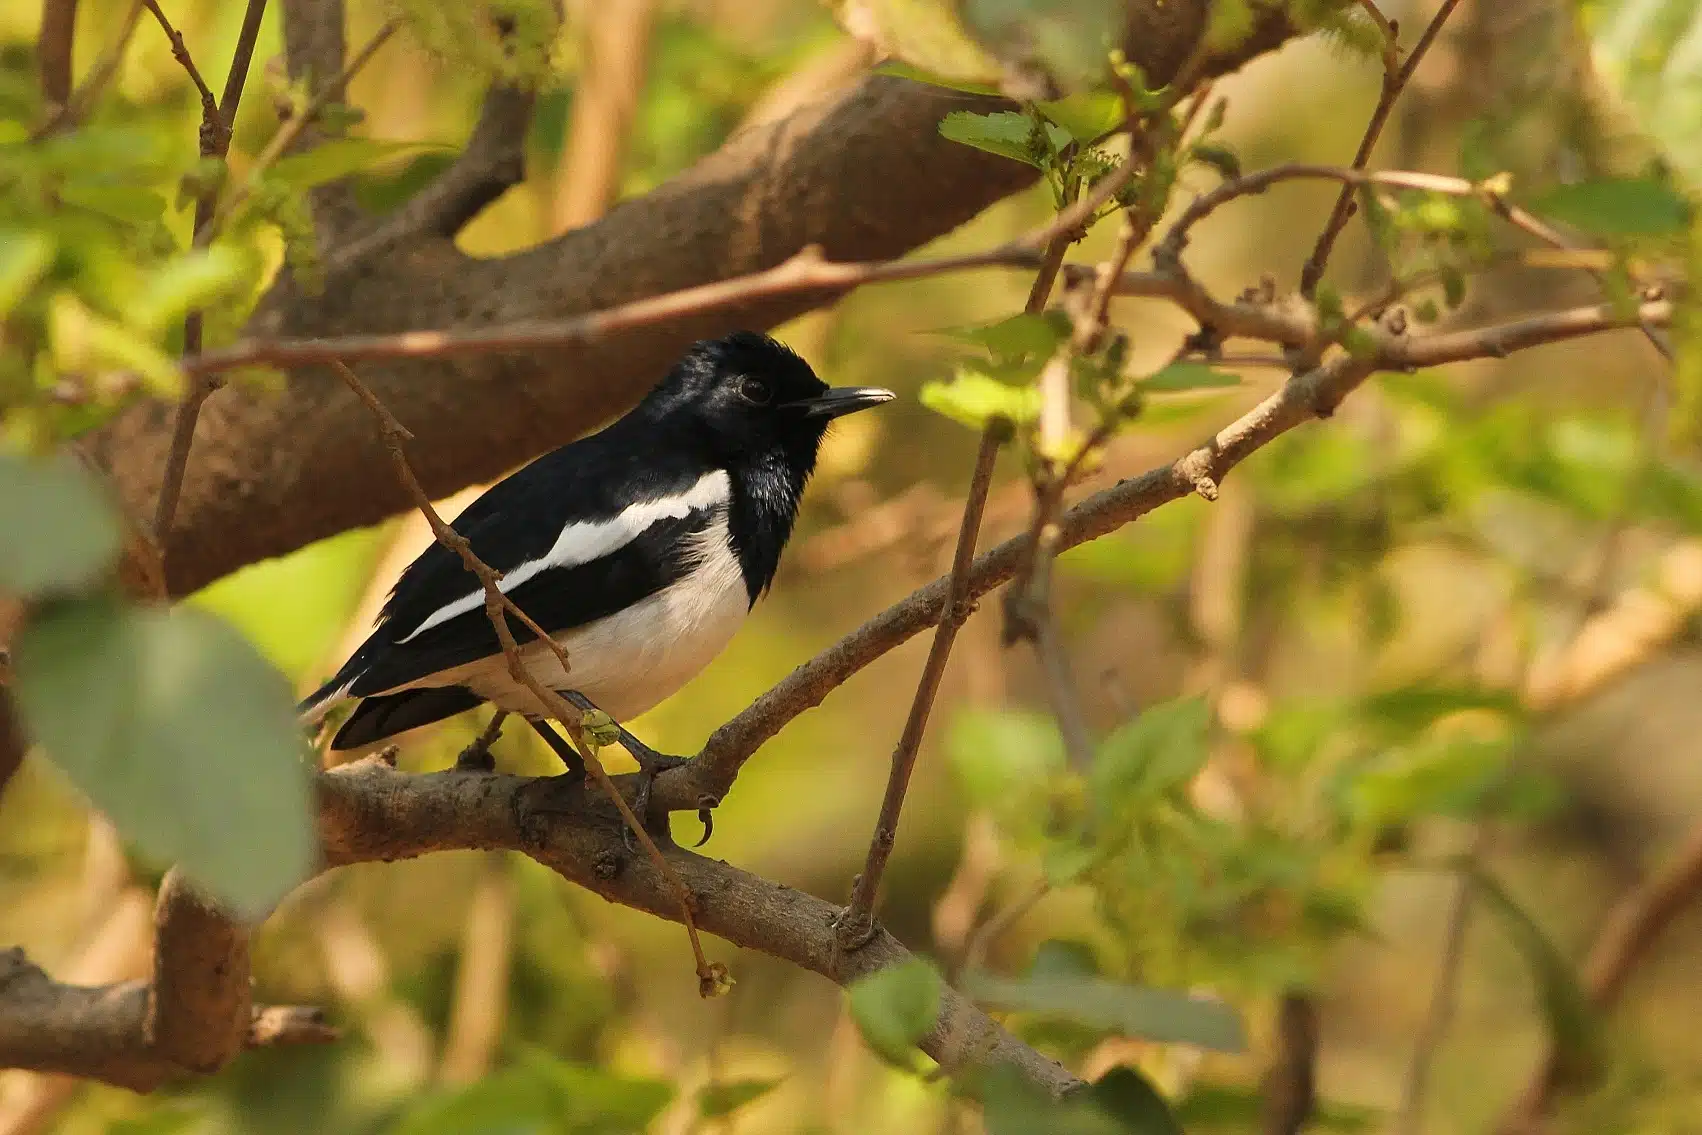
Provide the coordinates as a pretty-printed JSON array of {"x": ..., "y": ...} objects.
[{"x": 640, "y": 549}]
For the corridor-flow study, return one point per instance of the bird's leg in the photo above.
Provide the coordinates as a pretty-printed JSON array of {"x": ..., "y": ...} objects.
[
  {"x": 651, "y": 764},
  {"x": 476, "y": 757}
]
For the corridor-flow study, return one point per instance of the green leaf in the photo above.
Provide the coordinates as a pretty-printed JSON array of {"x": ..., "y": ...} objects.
[
  {"x": 975, "y": 399},
  {"x": 902, "y": 70},
  {"x": 1159, "y": 750},
  {"x": 724, "y": 1097},
  {"x": 1219, "y": 157},
  {"x": 1617, "y": 207},
  {"x": 128, "y": 205},
  {"x": 1644, "y": 51},
  {"x": 1013, "y": 1105},
  {"x": 1003, "y": 756},
  {"x": 1007, "y": 133},
  {"x": 1443, "y": 776},
  {"x": 176, "y": 728},
  {"x": 61, "y": 531},
  {"x": 24, "y": 258},
  {"x": 896, "y": 1007},
  {"x": 540, "y": 1096},
  {"x": 1129, "y": 1096},
  {"x": 1070, "y": 40},
  {"x": 1188, "y": 376},
  {"x": 1163, "y": 1015},
  {"x": 927, "y": 34},
  {"x": 1024, "y": 336},
  {"x": 1574, "y": 1025},
  {"x": 84, "y": 341},
  {"x": 1408, "y": 709},
  {"x": 1087, "y": 115},
  {"x": 337, "y": 159},
  {"x": 187, "y": 282}
]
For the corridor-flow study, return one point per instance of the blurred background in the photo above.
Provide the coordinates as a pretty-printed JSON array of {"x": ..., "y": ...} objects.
[{"x": 1522, "y": 526}]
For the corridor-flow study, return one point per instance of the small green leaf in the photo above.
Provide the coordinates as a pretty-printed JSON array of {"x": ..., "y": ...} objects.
[
  {"x": 85, "y": 341},
  {"x": 1086, "y": 115},
  {"x": 1013, "y": 1105},
  {"x": 902, "y": 70},
  {"x": 975, "y": 399},
  {"x": 1152, "y": 1014},
  {"x": 125, "y": 204},
  {"x": 1070, "y": 40},
  {"x": 539, "y": 1096},
  {"x": 1410, "y": 708},
  {"x": 1617, "y": 207},
  {"x": 896, "y": 1007},
  {"x": 1129, "y": 1096},
  {"x": 61, "y": 531},
  {"x": 1574, "y": 1024},
  {"x": 1219, "y": 157},
  {"x": 1214, "y": 1106},
  {"x": 176, "y": 728},
  {"x": 1001, "y": 756},
  {"x": 926, "y": 34},
  {"x": 1188, "y": 376},
  {"x": 1024, "y": 336},
  {"x": 1159, "y": 750},
  {"x": 24, "y": 258},
  {"x": 184, "y": 283},
  {"x": 724, "y": 1097},
  {"x": 337, "y": 159},
  {"x": 1007, "y": 133}
]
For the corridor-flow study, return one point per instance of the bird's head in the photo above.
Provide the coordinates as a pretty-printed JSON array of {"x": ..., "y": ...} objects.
[{"x": 748, "y": 395}]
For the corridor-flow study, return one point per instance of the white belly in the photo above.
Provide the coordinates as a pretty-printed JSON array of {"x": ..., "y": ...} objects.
[{"x": 630, "y": 661}]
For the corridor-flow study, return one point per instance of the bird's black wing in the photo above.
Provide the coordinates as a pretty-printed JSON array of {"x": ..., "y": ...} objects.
[{"x": 514, "y": 526}]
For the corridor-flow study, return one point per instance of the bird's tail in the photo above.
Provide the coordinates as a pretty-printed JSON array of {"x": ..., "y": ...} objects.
[{"x": 316, "y": 705}]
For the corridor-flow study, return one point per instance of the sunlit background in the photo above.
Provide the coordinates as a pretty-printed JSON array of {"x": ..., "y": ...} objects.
[{"x": 1315, "y": 578}]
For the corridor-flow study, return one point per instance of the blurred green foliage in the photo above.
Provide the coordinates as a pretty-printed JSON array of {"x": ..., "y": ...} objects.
[{"x": 1215, "y": 855}]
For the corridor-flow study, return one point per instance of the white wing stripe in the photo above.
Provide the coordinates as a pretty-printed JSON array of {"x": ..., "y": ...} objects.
[{"x": 582, "y": 542}]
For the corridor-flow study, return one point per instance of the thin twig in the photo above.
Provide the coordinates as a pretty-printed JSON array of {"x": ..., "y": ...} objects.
[
  {"x": 996, "y": 927},
  {"x": 180, "y": 52},
  {"x": 857, "y": 925},
  {"x": 1409, "y": 1120},
  {"x": 217, "y": 121},
  {"x": 71, "y": 111},
  {"x": 1394, "y": 82},
  {"x": 298, "y": 122},
  {"x": 710, "y": 976}
]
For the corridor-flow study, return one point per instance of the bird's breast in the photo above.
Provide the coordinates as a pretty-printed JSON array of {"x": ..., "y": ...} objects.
[{"x": 629, "y": 661}]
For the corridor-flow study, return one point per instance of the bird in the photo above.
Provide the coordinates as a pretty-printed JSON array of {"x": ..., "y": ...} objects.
[{"x": 640, "y": 548}]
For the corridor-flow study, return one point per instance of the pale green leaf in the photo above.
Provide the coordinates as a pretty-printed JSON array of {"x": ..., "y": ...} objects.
[
  {"x": 902, "y": 70},
  {"x": 85, "y": 341},
  {"x": 975, "y": 399},
  {"x": 1086, "y": 115},
  {"x": 1162, "y": 1015},
  {"x": 24, "y": 258},
  {"x": 896, "y": 1007},
  {"x": 176, "y": 728},
  {"x": 337, "y": 159},
  {"x": 187, "y": 282},
  {"x": 1615, "y": 207},
  {"x": 60, "y": 532},
  {"x": 1159, "y": 750},
  {"x": 1070, "y": 40},
  {"x": 1007, "y": 133},
  {"x": 724, "y": 1097},
  {"x": 927, "y": 34},
  {"x": 1649, "y": 53}
]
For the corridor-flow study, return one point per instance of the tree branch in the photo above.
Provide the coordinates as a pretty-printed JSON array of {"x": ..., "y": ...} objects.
[
  {"x": 863, "y": 173},
  {"x": 99, "y": 1033},
  {"x": 1311, "y": 395},
  {"x": 53, "y": 46}
]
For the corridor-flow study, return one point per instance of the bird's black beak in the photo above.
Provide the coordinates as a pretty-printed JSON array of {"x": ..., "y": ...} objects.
[{"x": 841, "y": 400}]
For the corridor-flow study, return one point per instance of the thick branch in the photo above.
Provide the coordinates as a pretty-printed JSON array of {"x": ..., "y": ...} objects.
[
  {"x": 1313, "y": 394},
  {"x": 370, "y": 811},
  {"x": 98, "y": 1032},
  {"x": 864, "y": 174}
]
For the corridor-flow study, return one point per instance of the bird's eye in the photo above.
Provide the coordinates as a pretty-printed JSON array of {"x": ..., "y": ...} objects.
[{"x": 755, "y": 391}]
